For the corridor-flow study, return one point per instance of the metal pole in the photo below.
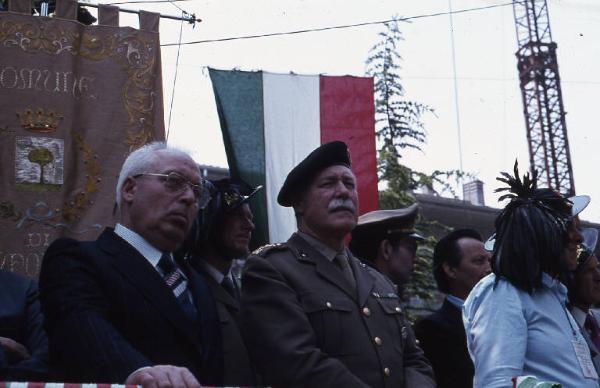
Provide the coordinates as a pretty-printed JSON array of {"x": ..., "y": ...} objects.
[{"x": 190, "y": 18}]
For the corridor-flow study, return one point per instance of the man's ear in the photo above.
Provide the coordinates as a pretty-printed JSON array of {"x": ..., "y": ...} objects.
[
  {"x": 298, "y": 207},
  {"x": 128, "y": 189},
  {"x": 448, "y": 270},
  {"x": 385, "y": 249}
]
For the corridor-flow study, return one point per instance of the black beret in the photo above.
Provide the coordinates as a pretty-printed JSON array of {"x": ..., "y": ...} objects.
[
  {"x": 382, "y": 223},
  {"x": 329, "y": 154}
]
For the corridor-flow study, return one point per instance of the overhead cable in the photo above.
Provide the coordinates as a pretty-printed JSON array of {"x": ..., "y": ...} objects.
[{"x": 338, "y": 27}]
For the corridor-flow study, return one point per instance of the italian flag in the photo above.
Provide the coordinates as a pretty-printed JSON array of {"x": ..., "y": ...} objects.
[{"x": 271, "y": 122}]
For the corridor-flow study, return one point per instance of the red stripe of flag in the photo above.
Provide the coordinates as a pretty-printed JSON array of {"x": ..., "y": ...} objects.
[{"x": 348, "y": 114}]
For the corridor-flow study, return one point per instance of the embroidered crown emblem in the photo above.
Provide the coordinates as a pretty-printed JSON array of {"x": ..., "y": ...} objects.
[{"x": 39, "y": 120}]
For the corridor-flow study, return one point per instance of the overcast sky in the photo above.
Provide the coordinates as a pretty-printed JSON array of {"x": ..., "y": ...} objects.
[{"x": 489, "y": 101}]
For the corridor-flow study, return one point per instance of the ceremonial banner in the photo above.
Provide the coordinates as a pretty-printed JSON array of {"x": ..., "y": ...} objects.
[
  {"x": 74, "y": 101},
  {"x": 270, "y": 122}
]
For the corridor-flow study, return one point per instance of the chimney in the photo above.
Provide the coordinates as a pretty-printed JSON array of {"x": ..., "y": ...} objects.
[{"x": 473, "y": 192}]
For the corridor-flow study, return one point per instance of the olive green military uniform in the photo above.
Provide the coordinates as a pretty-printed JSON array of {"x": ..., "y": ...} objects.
[{"x": 305, "y": 325}]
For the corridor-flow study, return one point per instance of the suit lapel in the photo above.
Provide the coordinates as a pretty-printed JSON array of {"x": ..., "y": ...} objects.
[
  {"x": 324, "y": 268},
  {"x": 453, "y": 315},
  {"x": 208, "y": 316},
  {"x": 364, "y": 279},
  {"x": 136, "y": 269}
]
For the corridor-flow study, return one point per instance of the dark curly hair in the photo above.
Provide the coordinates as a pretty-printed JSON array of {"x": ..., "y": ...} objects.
[{"x": 531, "y": 232}]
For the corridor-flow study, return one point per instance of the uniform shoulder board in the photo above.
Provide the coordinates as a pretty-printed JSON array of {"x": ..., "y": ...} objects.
[{"x": 265, "y": 249}]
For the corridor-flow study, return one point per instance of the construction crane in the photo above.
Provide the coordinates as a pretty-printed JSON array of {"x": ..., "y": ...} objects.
[{"x": 543, "y": 106}]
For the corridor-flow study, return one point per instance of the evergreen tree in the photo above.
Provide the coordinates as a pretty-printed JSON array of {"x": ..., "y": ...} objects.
[{"x": 399, "y": 126}]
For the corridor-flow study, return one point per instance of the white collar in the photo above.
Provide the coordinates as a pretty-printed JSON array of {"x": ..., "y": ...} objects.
[
  {"x": 139, "y": 243},
  {"x": 214, "y": 272}
]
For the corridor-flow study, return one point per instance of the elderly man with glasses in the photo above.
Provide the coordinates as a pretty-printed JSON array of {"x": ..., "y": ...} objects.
[{"x": 120, "y": 309}]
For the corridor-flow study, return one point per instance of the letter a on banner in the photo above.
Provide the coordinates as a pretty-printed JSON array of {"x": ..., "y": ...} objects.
[{"x": 74, "y": 101}]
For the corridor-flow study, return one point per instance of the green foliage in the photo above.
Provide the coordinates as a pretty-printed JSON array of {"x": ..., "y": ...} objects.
[{"x": 399, "y": 126}]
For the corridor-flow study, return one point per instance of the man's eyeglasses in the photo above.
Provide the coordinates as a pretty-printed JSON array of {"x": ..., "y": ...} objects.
[{"x": 177, "y": 183}]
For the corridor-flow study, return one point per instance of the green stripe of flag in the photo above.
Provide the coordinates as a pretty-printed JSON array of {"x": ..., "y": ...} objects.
[{"x": 239, "y": 99}]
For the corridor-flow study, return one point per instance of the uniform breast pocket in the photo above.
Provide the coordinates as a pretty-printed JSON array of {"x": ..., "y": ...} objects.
[
  {"x": 395, "y": 319},
  {"x": 331, "y": 318}
]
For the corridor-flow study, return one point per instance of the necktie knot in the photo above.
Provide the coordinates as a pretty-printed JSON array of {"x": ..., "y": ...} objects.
[
  {"x": 166, "y": 263},
  {"x": 228, "y": 285},
  {"x": 342, "y": 262}
]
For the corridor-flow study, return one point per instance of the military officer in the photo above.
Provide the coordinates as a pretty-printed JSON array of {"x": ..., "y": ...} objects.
[
  {"x": 312, "y": 313},
  {"x": 387, "y": 240},
  {"x": 222, "y": 234}
]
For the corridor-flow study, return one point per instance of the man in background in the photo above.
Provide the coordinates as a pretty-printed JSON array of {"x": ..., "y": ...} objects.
[
  {"x": 222, "y": 235},
  {"x": 459, "y": 262},
  {"x": 387, "y": 241},
  {"x": 584, "y": 294}
]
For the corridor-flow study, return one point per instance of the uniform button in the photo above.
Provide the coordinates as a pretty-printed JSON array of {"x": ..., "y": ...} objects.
[
  {"x": 328, "y": 304},
  {"x": 398, "y": 310},
  {"x": 366, "y": 312},
  {"x": 378, "y": 341},
  {"x": 386, "y": 371}
]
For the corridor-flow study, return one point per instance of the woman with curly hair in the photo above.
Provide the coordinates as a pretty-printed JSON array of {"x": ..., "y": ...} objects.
[{"x": 516, "y": 319}]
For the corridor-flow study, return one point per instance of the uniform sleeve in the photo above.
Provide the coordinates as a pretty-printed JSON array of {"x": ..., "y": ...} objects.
[
  {"x": 496, "y": 335},
  {"x": 279, "y": 336},
  {"x": 83, "y": 342}
]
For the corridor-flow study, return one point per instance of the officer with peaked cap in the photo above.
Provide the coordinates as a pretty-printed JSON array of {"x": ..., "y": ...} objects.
[
  {"x": 387, "y": 240},
  {"x": 222, "y": 233},
  {"x": 312, "y": 314}
]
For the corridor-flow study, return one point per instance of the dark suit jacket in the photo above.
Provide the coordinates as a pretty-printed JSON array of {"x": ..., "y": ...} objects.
[
  {"x": 442, "y": 336},
  {"x": 21, "y": 320},
  {"x": 238, "y": 370},
  {"x": 305, "y": 326},
  {"x": 109, "y": 312}
]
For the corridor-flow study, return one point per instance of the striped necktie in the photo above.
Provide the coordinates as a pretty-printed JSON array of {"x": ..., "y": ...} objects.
[{"x": 177, "y": 282}]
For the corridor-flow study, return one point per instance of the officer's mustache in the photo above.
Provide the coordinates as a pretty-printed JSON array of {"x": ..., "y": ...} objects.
[{"x": 341, "y": 204}]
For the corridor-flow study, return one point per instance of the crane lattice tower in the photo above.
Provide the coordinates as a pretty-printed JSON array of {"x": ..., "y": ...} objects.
[{"x": 542, "y": 97}]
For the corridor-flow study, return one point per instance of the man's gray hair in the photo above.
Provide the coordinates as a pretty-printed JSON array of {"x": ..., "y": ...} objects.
[{"x": 143, "y": 160}]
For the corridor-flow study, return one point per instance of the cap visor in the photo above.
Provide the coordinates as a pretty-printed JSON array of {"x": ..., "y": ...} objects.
[
  {"x": 417, "y": 236},
  {"x": 580, "y": 202}
]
